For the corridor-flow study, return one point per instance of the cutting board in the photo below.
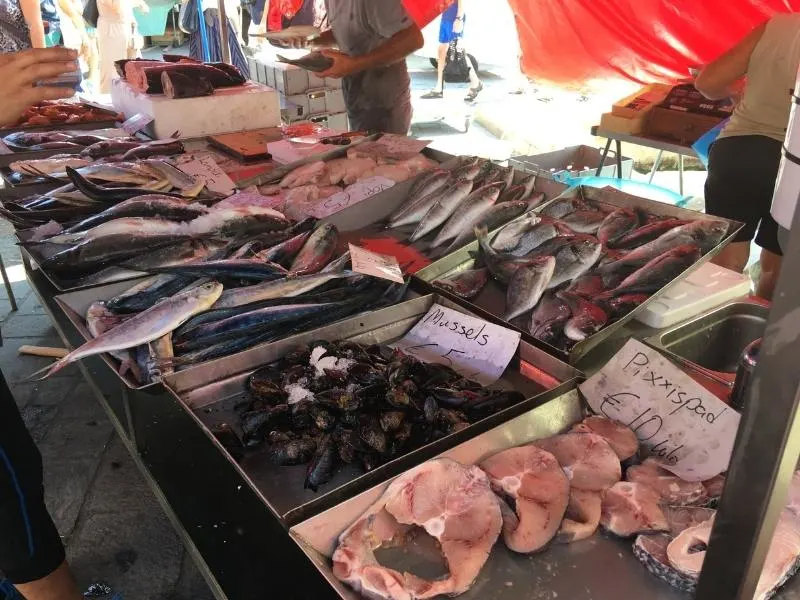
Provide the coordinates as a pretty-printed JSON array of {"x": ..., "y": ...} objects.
[{"x": 247, "y": 145}]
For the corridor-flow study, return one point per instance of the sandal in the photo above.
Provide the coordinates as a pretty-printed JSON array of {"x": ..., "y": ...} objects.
[
  {"x": 473, "y": 93},
  {"x": 433, "y": 95}
]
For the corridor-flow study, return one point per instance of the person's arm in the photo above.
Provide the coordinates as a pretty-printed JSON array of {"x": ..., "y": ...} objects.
[
  {"x": 458, "y": 24},
  {"x": 719, "y": 79},
  {"x": 33, "y": 17},
  {"x": 68, "y": 8},
  {"x": 393, "y": 50}
]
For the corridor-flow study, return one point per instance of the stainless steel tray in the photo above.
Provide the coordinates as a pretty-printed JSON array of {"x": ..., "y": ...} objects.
[
  {"x": 490, "y": 303},
  {"x": 599, "y": 568},
  {"x": 212, "y": 390}
]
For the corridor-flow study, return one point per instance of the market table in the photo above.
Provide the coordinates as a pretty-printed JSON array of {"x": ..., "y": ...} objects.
[{"x": 660, "y": 144}]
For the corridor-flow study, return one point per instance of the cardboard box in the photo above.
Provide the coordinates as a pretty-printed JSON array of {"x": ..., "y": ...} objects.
[
  {"x": 623, "y": 125},
  {"x": 319, "y": 101},
  {"x": 682, "y": 127},
  {"x": 641, "y": 102}
]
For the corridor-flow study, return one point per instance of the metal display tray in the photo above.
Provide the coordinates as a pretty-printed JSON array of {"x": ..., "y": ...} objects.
[
  {"x": 7, "y": 155},
  {"x": 490, "y": 303},
  {"x": 600, "y": 567},
  {"x": 108, "y": 123},
  {"x": 212, "y": 390}
]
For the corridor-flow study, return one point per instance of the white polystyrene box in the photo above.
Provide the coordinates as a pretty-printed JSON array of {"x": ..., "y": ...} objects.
[
  {"x": 251, "y": 106},
  {"x": 706, "y": 288}
]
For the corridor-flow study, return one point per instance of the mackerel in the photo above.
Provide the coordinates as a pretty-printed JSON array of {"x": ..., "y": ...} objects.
[{"x": 282, "y": 288}]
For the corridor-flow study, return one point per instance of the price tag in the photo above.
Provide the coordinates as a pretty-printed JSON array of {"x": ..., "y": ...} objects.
[
  {"x": 136, "y": 123},
  {"x": 351, "y": 195},
  {"x": 377, "y": 265},
  {"x": 688, "y": 429},
  {"x": 476, "y": 349},
  {"x": 209, "y": 171}
]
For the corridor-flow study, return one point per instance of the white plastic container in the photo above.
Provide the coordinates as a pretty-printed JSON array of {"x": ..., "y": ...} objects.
[
  {"x": 250, "y": 106},
  {"x": 706, "y": 288}
]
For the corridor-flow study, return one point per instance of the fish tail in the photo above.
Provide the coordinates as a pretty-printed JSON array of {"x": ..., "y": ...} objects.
[{"x": 51, "y": 369}]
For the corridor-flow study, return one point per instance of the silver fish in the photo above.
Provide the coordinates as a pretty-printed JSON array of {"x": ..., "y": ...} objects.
[
  {"x": 125, "y": 225},
  {"x": 189, "y": 186},
  {"x": 561, "y": 208},
  {"x": 144, "y": 206},
  {"x": 338, "y": 265},
  {"x": 100, "y": 320},
  {"x": 146, "y": 326},
  {"x": 241, "y": 220},
  {"x": 509, "y": 236},
  {"x": 282, "y": 288},
  {"x": 418, "y": 202},
  {"x": 527, "y": 286},
  {"x": 584, "y": 221},
  {"x": 529, "y": 182},
  {"x": 536, "y": 236},
  {"x": 467, "y": 214},
  {"x": 493, "y": 217},
  {"x": 575, "y": 259},
  {"x": 442, "y": 208},
  {"x": 466, "y": 284},
  {"x": 48, "y": 166},
  {"x": 115, "y": 173}
]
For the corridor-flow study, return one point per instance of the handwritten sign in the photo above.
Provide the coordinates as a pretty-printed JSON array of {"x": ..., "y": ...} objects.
[
  {"x": 358, "y": 192},
  {"x": 377, "y": 265},
  {"x": 476, "y": 349},
  {"x": 208, "y": 170},
  {"x": 688, "y": 429},
  {"x": 136, "y": 123}
]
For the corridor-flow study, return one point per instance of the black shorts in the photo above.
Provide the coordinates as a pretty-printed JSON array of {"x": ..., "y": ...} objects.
[
  {"x": 30, "y": 547},
  {"x": 741, "y": 180}
]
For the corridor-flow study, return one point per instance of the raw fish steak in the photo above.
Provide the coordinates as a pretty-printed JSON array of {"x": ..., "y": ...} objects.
[
  {"x": 582, "y": 517},
  {"x": 631, "y": 508},
  {"x": 621, "y": 438},
  {"x": 453, "y": 503},
  {"x": 671, "y": 488},
  {"x": 651, "y": 550},
  {"x": 537, "y": 490},
  {"x": 587, "y": 459}
]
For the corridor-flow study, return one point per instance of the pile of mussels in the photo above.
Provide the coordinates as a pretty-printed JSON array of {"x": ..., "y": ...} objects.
[{"x": 341, "y": 403}]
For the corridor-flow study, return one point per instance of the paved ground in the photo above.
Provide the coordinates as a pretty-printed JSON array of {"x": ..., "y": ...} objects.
[{"x": 114, "y": 530}]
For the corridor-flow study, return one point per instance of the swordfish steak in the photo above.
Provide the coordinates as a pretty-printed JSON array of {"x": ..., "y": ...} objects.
[
  {"x": 452, "y": 503},
  {"x": 538, "y": 492}
]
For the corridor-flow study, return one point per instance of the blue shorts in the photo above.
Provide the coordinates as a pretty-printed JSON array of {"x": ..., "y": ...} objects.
[{"x": 446, "y": 33}]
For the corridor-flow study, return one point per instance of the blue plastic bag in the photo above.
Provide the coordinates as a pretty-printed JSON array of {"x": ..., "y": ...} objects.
[{"x": 702, "y": 146}]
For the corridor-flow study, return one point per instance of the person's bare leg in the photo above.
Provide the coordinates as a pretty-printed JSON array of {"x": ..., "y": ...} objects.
[
  {"x": 474, "y": 80},
  {"x": 59, "y": 585},
  {"x": 734, "y": 256},
  {"x": 770, "y": 268},
  {"x": 440, "y": 67}
]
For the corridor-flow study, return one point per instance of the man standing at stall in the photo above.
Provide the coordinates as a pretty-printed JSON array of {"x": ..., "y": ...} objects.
[{"x": 373, "y": 39}]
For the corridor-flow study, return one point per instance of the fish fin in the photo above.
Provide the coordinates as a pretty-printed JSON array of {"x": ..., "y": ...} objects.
[{"x": 50, "y": 369}]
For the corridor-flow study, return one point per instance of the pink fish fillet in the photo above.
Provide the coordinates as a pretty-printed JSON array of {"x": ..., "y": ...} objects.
[
  {"x": 671, "y": 488},
  {"x": 453, "y": 503},
  {"x": 349, "y": 170},
  {"x": 631, "y": 508},
  {"x": 621, "y": 438},
  {"x": 587, "y": 459},
  {"x": 315, "y": 173},
  {"x": 582, "y": 517},
  {"x": 533, "y": 479}
]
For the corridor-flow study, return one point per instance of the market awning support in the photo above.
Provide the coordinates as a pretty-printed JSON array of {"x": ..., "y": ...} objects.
[{"x": 766, "y": 451}]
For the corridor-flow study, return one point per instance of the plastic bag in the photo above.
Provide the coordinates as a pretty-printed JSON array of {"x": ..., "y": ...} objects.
[{"x": 703, "y": 144}]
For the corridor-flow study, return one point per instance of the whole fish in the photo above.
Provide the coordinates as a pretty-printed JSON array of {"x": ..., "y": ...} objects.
[
  {"x": 100, "y": 320},
  {"x": 501, "y": 265},
  {"x": 468, "y": 171},
  {"x": 584, "y": 221},
  {"x": 548, "y": 319},
  {"x": 619, "y": 306},
  {"x": 146, "y": 293},
  {"x": 282, "y": 288},
  {"x": 658, "y": 272},
  {"x": 106, "y": 194},
  {"x": 587, "y": 318},
  {"x": 505, "y": 176},
  {"x": 285, "y": 251},
  {"x": 466, "y": 214},
  {"x": 427, "y": 183},
  {"x": 559, "y": 209},
  {"x": 491, "y": 218},
  {"x": 529, "y": 183},
  {"x": 540, "y": 234},
  {"x": 575, "y": 259},
  {"x": 466, "y": 284},
  {"x": 156, "y": 206},
  {"x": 115, "y": 227},
  {"x": 647, "y": 233},
  {"x": 420, "y": 201},
  {"x": 157, "y": 148},
  {"x": 178, "y": 253},
  {"x": 238, "y": 221},
  {"x": 114, "y": 173},
  {"x": 527, "y": 286},
  {"x": 48, "y": 166},
  {"x": 618, "y": 224},
  {"x": 508, "y": 237},
  {"x": 233, "y": 268},
  {"x": 108, "y": 148},
  {"x": 318, "y": 250},
  {"x": 188, "y": 184},
  {"x": 146, "y": 326},
  {"x": 441, "y": 210},
  {"x": 705, "y": 233},
  {"x": 338, "y": 265}
]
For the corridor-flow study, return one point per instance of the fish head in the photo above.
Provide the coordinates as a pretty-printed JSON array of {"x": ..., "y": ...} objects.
[
  {"x": 206, "y": 294},
  {"x": 586, "y": 247},
  {"x": 711, "y": 232}
]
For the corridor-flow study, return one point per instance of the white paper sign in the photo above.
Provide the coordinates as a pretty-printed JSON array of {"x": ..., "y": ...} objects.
[
  {"x": 476, "y": 349},
  {"x": 688, "y": 429},
  {"x": 209, "y": 171},
  {"x": 401, "y": 143},
  {"x": 136, "y": 123},
  {"x": 377, "y": 265},
  {"x": 351, "y": 195}
]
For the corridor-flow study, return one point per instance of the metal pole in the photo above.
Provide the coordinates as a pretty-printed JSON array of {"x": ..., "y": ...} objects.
[
  {"x": 224, "y": 33},
  {"x": 203, "y": 32},
  {"x": 766, "y": 450}
]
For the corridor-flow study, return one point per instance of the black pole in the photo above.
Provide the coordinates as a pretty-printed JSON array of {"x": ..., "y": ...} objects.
[{"x": 766, "y": 450}]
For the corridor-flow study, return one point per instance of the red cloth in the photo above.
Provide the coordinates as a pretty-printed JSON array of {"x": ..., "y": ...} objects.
[{"x": 570, "y": 41}]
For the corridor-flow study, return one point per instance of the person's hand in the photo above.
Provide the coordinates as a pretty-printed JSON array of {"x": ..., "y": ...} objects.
[
  {"x": 343, "y": 64},
  {"x": 458, "y": 25},
  {"x": 19, "y": 71}
]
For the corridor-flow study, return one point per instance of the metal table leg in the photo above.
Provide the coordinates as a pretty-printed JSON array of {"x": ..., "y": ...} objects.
[
  {"x": 680, "y": 173},
  {"x": 656, "y": 164},
  {"x": 619, "y": 159},
  {"x": 603, "y": 158},
  {"x": 7, "y": 283}
]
